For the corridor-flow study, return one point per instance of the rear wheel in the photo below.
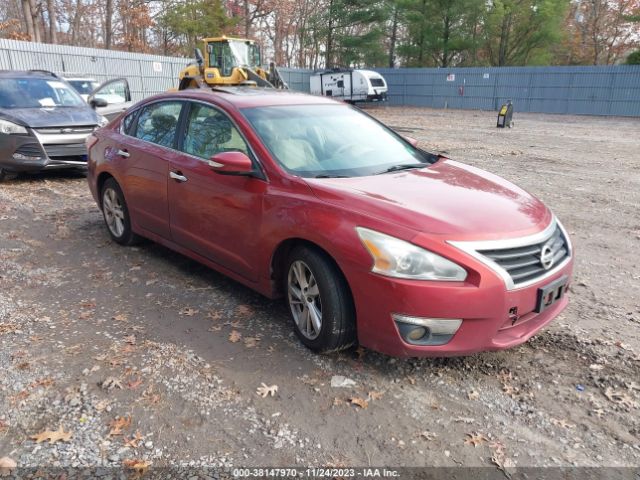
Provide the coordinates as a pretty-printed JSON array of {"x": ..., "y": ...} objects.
[
  {"x": 116, "y": 214},
  {"x": 320, "y": 301}
]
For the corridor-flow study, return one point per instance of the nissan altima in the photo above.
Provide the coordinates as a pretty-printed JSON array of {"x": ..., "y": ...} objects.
[{"x": 368, "y": 238}]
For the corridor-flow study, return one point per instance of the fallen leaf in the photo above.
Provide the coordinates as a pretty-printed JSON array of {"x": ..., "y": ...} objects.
[
  {"x": 137, "y": 465},
  {"x": 562, "y": 423},
  {"x": 427, "y": 435},
  {"x": 360, "y": 402},
  {"x": 118, "y": 424},
  {"x": 121, "y": 317},
  {"x": 7, "y": 466},
  {"x": 337, "y": 401},
  {"x": 135, "y": 384},
  {"x": 86, "y": 315},
  {"x": 361, "y": 352},
  {"x": 263, "y": 390},
  {"x": 214, "y": 315},
  {"x": 235, "y": 336},
  {"x": 244, "y": 310},
  {"x": 53, "y": 437},
  {"x": 473, "y": 395},
  {"x": 110, "y": 383},
  {"x": 8, "y": 328},
  {"x": 133, "y": 441},
  {"x": 215, "y": 328},
  {"x": 251, "y": 342},
  {"x": 188, "y": 311},
  {"x": 411, "y": 379},
  {"x": 130, "y": 339},
  {"x": 375, "y": 395},
  {"x": 475, "y": 439}
]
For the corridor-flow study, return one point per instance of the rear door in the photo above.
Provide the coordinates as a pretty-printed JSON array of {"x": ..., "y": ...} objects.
[
  {"x": 149, "y": 148},
  {"x": 217, "y": 216}
]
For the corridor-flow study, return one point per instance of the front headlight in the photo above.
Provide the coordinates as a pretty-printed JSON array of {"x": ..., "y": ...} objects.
[
  {"x": 103, "y": 121},
  {"x": 396, "y": 258},
  {"x": 11, "y": 128}
]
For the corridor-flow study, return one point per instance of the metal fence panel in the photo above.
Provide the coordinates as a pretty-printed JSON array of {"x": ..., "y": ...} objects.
[{"x": 588, "y": 90}]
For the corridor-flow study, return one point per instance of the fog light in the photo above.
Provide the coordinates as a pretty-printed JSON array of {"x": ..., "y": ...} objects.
[
  {"x": 26, "y": 158},
  {"x": 426, "y": 331},
  {"x": 416, "y": 333}
]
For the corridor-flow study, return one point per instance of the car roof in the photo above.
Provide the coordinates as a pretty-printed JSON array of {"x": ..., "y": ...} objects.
[
  {"x": 247, "y": 97},
  {"x": 27, "y": 73}
]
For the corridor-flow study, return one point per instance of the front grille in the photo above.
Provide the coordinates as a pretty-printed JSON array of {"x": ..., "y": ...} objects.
[
  {"x": 65, "y": 130},
  {"x": 29, "y": 150},
  {"x": 524, "y": 264},
  {"x": 74, "y": 151}
]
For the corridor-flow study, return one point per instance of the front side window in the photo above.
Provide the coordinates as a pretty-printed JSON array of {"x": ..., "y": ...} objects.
[
  {"x": 331, "y": 140},
  {"x": 84, "y": 87},
  {"x": 158, "y": 122},
  {"x": 37, "y": 93},
  {"x": 209, "y": 131}
]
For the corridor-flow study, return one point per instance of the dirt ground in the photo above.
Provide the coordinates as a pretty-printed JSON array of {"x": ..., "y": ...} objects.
[{"x": 147, "y": 357}]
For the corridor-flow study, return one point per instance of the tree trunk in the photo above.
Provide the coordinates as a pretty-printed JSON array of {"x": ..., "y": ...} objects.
[
  {"x": 34, "y": 21},
  {"x": 247, "y": 19},
  {"x": 504, "y": 40},
  {"x": 394, "y": 38},
  {"x": 329, "y": 53},
  {"x": 77, "y": 17},
  {"x": 445, "y": 42},
  {"x": 53, "y": 27},
  {"x": 108, "y": 35},
  {"x": 28, "y": 19}
]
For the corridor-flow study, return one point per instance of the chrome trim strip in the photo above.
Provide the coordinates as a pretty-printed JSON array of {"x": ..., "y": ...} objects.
[{"x": 471, "y": 248}]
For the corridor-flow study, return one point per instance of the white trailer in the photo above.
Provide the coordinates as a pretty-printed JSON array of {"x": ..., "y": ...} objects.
[{"x": 349, "y": 85}]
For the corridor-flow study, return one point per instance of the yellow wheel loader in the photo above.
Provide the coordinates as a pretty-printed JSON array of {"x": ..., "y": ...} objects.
[{"x": 229, "y": 61}]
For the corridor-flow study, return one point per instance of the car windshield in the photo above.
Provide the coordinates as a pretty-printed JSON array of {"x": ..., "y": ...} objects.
[
  {"x": 84, "y": 87},
  {"x": 37, "y": 93},
  {"x": 331, "y": 141}
]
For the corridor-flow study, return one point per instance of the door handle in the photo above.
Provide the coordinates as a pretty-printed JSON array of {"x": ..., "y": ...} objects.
[
  {"x": 177, "y": 176},
  {"x": 123, "y": 153}
]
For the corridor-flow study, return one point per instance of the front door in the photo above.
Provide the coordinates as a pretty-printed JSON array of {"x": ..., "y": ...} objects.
[{"x": 217, "y": 216}]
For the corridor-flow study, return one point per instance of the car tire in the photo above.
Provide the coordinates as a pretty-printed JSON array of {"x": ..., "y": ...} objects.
[
  {"x": 3, "y": 174},
  {"x": 116, "y": 214},
  {"x": 319, "y": 300}
]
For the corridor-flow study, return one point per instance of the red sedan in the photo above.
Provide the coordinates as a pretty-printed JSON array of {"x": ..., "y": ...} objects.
[{"x": 370, "y": 239}]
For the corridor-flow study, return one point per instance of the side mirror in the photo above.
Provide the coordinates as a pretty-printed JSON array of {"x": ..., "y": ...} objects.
[
  {"x": 231, "y": 163},
  {"x": 98, "y": 102},
  {"x": 412, "y": 141}
]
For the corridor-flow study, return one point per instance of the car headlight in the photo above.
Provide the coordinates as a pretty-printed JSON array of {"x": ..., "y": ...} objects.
[
  {"x": 102, "y": 121},
  {"x": 11, "y": 128},
  {"x": 396, "y": 258}
]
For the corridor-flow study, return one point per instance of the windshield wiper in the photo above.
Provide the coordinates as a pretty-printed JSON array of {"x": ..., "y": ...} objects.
[
  {"x": 402, "y": 166},
  {"x": 325, "y": 175}
]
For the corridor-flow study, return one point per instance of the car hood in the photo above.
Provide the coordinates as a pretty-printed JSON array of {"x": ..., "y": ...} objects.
[
  {"x": 446, "y": 198},
  {"x": 51, "y": 117}
]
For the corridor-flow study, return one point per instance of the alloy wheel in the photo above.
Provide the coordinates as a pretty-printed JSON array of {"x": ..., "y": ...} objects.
[
  {"x": 304, "y": 299},
  {"x": 113, "y": 211}
]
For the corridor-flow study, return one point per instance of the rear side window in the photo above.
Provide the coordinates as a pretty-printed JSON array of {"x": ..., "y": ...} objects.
[{"x": 158, "y": 123}]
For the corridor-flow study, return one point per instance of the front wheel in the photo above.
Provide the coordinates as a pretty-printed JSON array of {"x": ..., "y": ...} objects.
[
  {"x": 320, "y": 301},
  {"x": 116, "y": 214}
]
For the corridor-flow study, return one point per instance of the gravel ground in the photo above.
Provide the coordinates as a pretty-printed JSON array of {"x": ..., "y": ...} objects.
[{"x": 147, "y": 358}]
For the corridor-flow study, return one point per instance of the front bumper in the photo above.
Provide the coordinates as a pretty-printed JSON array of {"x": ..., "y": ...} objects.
[
  {"x": 482, "y": 302},
  {"x": 37, "y": 152}
]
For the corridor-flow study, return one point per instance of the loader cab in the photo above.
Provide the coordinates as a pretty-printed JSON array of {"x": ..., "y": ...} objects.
[{"x": 227, "y": 53}]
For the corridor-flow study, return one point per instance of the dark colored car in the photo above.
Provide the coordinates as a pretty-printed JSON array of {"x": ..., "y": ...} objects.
[
  {"x": 43, "y": 123},
  {"x": 369, "y": 238}
]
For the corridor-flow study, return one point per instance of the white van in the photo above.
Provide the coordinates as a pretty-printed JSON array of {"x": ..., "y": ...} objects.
[{"x": 349, "y": 85}]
